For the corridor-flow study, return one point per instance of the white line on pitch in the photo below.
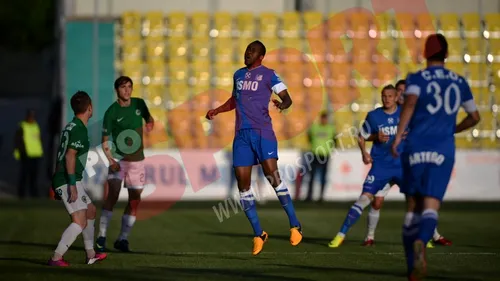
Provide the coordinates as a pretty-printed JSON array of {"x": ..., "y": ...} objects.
[{"x": 334, "y": 253}]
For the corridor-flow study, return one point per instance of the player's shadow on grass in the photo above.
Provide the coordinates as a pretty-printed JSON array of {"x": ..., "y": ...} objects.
[
  {"x": 32, "y": 261},
  {"x": 307, "y": 240},
  {"x": 39, "y": 245},
  {"x": 370, "y": 272}
]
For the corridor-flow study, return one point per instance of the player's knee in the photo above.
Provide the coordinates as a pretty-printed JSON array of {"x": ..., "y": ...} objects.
[
  {"x": 134, "y": 203},
  {"x": 80, "y": 218},
  {"x": 364, "y": 200},
  {"x": 91, "y": 211},
  {"x": 377, "y": 203}
]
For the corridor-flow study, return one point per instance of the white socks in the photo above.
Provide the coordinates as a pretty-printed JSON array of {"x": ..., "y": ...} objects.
[
  {"x": 436, "y": 235},
  {"x": 373, "y": 217},
  {"x": 104, "y": 222},
  {"x": 363, "y": 202},
  {"x": 88, "y": 238},
  {"x": 67, "y": 239},
  {"x": 127, "y": 224}
]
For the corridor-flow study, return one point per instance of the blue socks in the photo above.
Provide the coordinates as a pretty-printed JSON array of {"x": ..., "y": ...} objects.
[
  {"x": 286, "y": 202},
  {"x": 410, "y": 234},
  {"x": 354, "y": 214},
  {"x": 247, "y": 200},
  {"x": 428, "y": 224}
]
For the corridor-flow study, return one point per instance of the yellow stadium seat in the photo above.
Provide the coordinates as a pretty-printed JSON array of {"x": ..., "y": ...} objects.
[
  {"x": 385, "y": 73},
  {"x": 178, "y": 72},
  {"x": 224, "y": 76},
  {"x": 130, "y": 39},
  {"x": 180, "y": 125},
  {"x": 200, "y": 25},
  {"x": 268, "y": 25},
  {"x": 472, "y": 25},
  {"x": 382, "y": 24},
  {"x": 291, "y": 25},
  {"x": 362, "y": 49},
  {"x": 224, "y": 50},
  {"x": 455, "y": 49},
  {"x": 364, "y": 97},
  {"x": 492, "y": 22},
  {"x": 157, "y": 73},
  {"x": 131, "y": 22},
  {"x": 293, "y": 75},
  {"x": 300, "y": 142},
  {"x": 408, "y": 50},
  {"x": 155, "y": 49},
  {"x": 177, "y": 93},
  {"x": 313, "y": 22},
  {"x": 344, "y": 124},
  {"x": 475, "y": 49},
  {"x": 406, "y": 24},
  {"x": 495, "y": 51},
  {"x": 316, "y": 49},
  {"x": 158, "y": 138},
  {"x": 295, "y": 50},
  {"x": 360, "y": 24},
  {"x": 426, "y": 25},
  {"x": 200, "y": 49},
  {"x": 335, "y": 51},
  {"x": 155, "y": 94},
  {"x": 477, "y": 74},
  {"x": 132, "y": 52},
  {"x": 246, "y": 25},
  {"x": 384, "y": 49},
  {"x": 296, "y": 122},
  {"x": 341, "y": 74},
  {"x": 133, "y": 69},
  {"x": 298, "y": 95},
  {"x": 448, "y": 23},
  {"x": 337, "y": 24},
  {"x": 457, "y": 67},
  {"x": 201, "y": 74},
  {"x": 177, "y": 25},
  {"x": 178, "y": 48},
  {"x": 223, "y": 25},
  {"x": 153, "y": 25},
  {"x": 406, "y": 68},
  {"x": 363, "y": 72}
]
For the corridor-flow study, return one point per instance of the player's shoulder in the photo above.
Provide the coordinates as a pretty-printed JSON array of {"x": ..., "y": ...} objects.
[
  {"x": 137, "y": 100},
  {"x": 112, "y": 107},
  {"x": 376, "y": 111},
  {"x": 240, "y": 71}
]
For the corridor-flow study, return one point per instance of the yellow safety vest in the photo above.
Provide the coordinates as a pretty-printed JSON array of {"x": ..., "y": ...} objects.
[
  {"x": 32, "y": 142},
  {"x": 322, "y": 139}
]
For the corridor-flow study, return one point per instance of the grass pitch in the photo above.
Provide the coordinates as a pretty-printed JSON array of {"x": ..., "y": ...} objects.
[{"x": 187, "y": 242}]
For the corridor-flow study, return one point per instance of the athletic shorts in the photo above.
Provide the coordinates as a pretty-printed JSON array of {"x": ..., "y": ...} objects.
[
  {"x": 132, "y": 174},
  {"x": 380, "y": 179},
  {"x": 81, "y": 202},
  {"x": 426, "y": 179},
  {"x": 252, "y": 146}
]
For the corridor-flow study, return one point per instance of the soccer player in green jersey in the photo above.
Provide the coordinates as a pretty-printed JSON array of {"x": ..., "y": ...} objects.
[
  {"x": 123, "y": 121},
  {"x": 66, "y": 181}
]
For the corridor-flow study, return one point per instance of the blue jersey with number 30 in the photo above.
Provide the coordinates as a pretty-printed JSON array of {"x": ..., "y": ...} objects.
[{"x": 441, "y": 93}]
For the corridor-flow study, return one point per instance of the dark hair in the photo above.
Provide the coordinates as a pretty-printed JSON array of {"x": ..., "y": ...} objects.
[
  {"x": 122, "y": 80},
  {"x": 388, "y": 87},
  {"x": 436, "y": 48},
  {"x": 80, "y": 102},
  {"x": 400, "y": 82},
  {"x": 262, "y": 47}
]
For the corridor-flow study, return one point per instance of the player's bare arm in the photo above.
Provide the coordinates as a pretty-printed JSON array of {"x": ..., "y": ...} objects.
[
  {"x": 229, "y": 105},
  {"x": 406, "y": 114},
  {"x": 471, "y": 120},
  {"x": 150, "y": 123},
  {"x": 70, "y": 169},
  {"x": 286, "y": 100},
  {"x": 367, "y": 159},
  {"x": 107, "y": 151}
]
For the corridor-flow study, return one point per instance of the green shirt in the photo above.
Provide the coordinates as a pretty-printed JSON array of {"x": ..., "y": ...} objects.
[
  {"x": 322, "y": 139},
  {"x": 74, "y": 136},
  {"x": 124, "y": 125}
]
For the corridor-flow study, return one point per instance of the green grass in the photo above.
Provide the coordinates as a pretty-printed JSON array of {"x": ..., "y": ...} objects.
[{"x": 187, "y": 242}]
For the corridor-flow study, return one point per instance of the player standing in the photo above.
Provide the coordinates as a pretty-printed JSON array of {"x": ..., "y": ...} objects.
[
  {"x": 66, "y": 181},
  {"x": 432, "y": 99},
  {"x": 123, "y": 122},
  {"x": 255, "y": 141},
  {"x": 374, "y": 214},
  {"x": 380, "y": 128}
]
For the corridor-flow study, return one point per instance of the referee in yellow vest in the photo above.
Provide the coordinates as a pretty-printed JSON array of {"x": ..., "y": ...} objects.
[
  {"x": 322, "y": 140},
  {"x": 29, "y": 151}
]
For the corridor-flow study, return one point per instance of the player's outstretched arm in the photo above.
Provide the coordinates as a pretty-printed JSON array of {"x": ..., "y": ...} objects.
[
  {"x": 70, "y": 169},
  {"x": 229, "y": 105}
]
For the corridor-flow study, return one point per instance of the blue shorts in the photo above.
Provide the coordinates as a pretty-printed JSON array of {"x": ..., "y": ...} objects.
[
  {"x": 426, "y": 178},
  {"x": 253, "y": 146},
  {"x": 379, "y": 176}
]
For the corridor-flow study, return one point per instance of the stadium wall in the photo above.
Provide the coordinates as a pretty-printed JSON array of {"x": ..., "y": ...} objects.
[
  {"x": 113, "y": 8},
  {"x": 174, "y": 175}
]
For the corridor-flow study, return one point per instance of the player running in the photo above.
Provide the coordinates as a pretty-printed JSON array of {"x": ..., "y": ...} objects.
[
  {"x": 255, "y": 141},
  {"x": 67, "y": 183},
  {"x": 374, "y": 214},
  {"x": 379, "y": 127},
  {"x": 432, "y": 99},
  {"x": 123, "y": 122}
]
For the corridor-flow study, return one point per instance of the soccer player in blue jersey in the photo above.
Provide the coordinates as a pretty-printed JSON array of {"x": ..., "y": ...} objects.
[
  {"x": 432, "y": 99},
  {"x": 380, "y": 128},
  {"x": 255, "y": 141}
]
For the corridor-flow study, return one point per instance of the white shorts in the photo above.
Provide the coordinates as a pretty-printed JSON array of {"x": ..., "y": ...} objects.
[
  {"x": 81, "y": 202},
  {"x": 133, "y": 174},
  {"x": 383, "y": 192}
]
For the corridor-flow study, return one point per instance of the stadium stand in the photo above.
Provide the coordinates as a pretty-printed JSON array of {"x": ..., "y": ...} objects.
[{"x": 174, "y": 57}]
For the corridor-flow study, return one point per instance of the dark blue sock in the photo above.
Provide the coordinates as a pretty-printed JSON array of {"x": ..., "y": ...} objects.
[
  {"x": 286, "y": 202},
  {"x": 351, "y": 218},
  {"x": 410, "y": 234},
  {"x": 427, "y": 225},
  {"x": 247, "y": 200}
]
